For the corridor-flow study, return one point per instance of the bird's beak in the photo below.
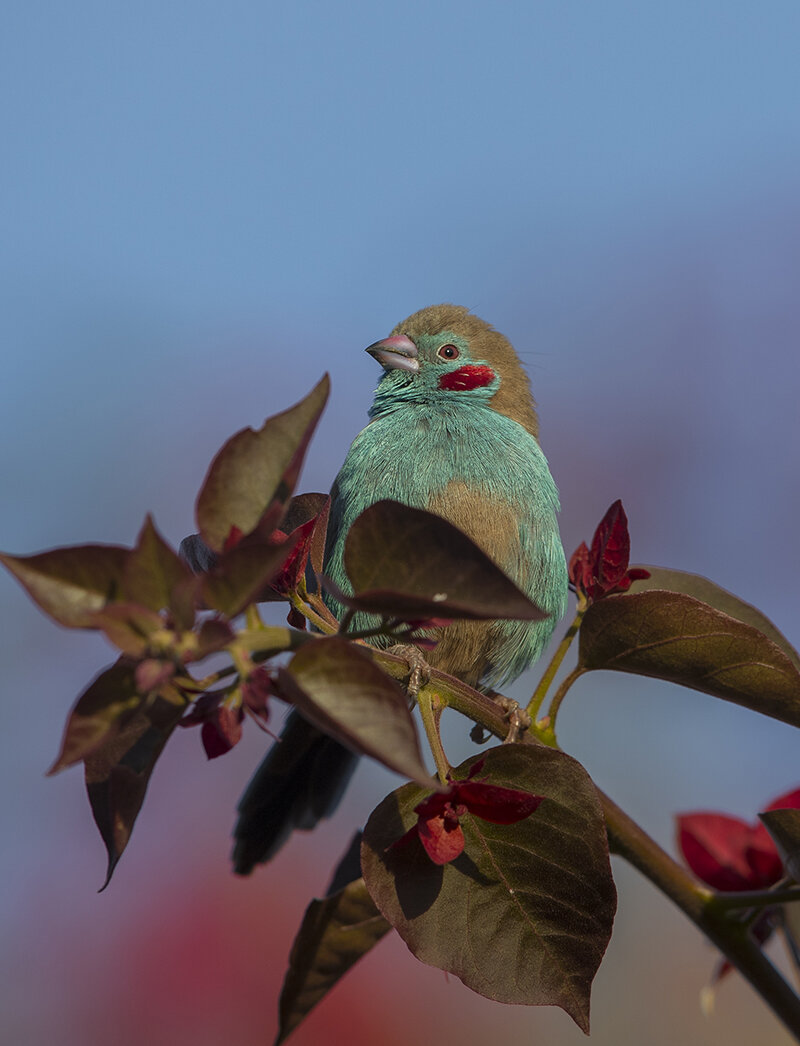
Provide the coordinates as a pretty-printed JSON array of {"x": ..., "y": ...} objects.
[{"x": 397, "y": 353}]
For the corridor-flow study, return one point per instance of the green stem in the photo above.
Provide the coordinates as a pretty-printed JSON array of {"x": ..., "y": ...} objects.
[
  {"x": 430, "y": 709},
  {"x": 558, "y": 697},
  {"x": 755, "y": 898},
  {"x": 539, "y": 694},
  {"x": 316, "y": 619},
  {"x": 701, "y": 905},
  {"x": 709, "y": 911}
]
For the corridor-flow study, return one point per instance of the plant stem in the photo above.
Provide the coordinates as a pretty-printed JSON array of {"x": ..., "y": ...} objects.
[
  {"x": 701, "y": 905},
  {"x": 316, "y": 619},
  {"x": 430, "y": 709},
  {"x": 539, "y": 694},
  {"x": 558, "y": 697},
  {"x": 709, "y": 911},
  {"x": 755, "y": 898}
]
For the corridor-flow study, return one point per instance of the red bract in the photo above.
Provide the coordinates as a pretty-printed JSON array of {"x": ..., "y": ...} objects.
[
  {"x": 438, "y": 816},
  {"x": 222, "y": 731},
  {"x": 604, "y": 569},
  {"x": 220, "y": 724},
  {"x": 232, "y": 540},
  {"x": 256, "y": 690},
  {"x": 294, "y": 568},
  {"x": 727, "y": 853}
]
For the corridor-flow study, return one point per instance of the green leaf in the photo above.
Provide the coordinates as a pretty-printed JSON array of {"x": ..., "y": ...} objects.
[
  {"x": 156, "y": 577},
  {"x": 334, "y": 935},
  {"x": 255, "y": 471},
  {"x": 524, "y": 914},
  {"x": 719, "y": 598},
  {"x": 413, "y": 564},
  {"x": 676, "y": 637},
  {"x": 108, "y": 701},
  {"x": 241, "y": 575},
  {"x": 340, "y": 689},
  {"x": 70, "y": 584},
  {"x": 118, "y": 772},
  {"x": 784, "y": 827}
]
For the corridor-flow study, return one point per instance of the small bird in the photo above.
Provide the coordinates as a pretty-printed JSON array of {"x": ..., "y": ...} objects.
[{"x": 453, "y": 430}]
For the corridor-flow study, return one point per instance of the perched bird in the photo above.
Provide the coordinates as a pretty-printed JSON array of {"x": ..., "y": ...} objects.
[{"x": 453, "y": 430}]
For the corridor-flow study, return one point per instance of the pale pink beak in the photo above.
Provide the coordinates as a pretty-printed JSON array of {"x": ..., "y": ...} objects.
[{"x": 397, "y": 353}]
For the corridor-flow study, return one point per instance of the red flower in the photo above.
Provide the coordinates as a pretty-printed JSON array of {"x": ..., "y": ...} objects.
[
  {"x": 604, "y": 570},
  {"x": 730, "y": 854},
  {"x": 438, "y": 817}
]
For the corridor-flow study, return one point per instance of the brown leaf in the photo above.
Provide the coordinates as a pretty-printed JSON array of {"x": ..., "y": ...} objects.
[
  {"x": 71, "y": 584},
  {"x": 673, "y": 636},
  {"x": 334, "y": 935},
  {"x": 255, "y": 471},
  {"x": 128, "y": 626},
  {"x": 118, "y": 772},
  {"x": 784, "y": 828},
  {"x": 339, "y": 688},
  {"x": 524, "y": 914},
  {"x": 413, "y": 564},
  {"x": 156, "y": 577},
  {"x": 242, "y": 574},
  {"x": 106, "y": 704},
  {"x": 707, "y": 592}
]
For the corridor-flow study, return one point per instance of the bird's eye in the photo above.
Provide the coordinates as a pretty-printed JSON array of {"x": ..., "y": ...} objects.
[{"x": 448, "y": 352}]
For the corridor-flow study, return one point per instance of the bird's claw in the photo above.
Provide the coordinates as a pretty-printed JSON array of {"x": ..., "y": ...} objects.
[
  {"x": 518, "y": 718},
  {"x": 419, "y": 671}
]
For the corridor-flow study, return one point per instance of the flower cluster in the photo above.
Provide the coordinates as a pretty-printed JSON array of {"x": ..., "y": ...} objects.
[
  {"x": 438, "y": 824},
  {"x": 603, "y": 569}
]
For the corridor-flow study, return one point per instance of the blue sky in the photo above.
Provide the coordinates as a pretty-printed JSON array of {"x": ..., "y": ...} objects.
[{"x": 203, "y": 207}]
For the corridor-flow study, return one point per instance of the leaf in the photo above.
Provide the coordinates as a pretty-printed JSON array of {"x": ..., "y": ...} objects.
[
  {"x": 334, "y": 935},
  {"x": 413, "y": 564},
  {"x": 255, "y": 471},
  {"x": 71, "y": 583},
  {"x": 340, "y": 689},
  {"x": 108, "y": 700},
  {"x": 118, "y": 772},
  {"x": 676, "y": 637},
  {"x": 317, "y": 553},
  {"x": 156, "y": 577},
  {"x": 784, "y": 828},
  {"x": 302, "y": 508},
  {"x": 128, "y": 626},
  {"x": 719, "y": 598},
  {"x": 242, "y": 574},
  {"x": 524, "y": 914}
]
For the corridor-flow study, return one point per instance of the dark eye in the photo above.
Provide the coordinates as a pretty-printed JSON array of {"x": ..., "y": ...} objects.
[{"x": 448, "y": 352}]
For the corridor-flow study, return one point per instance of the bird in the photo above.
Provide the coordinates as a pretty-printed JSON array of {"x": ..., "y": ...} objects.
[{"x": 453, "y": 430}]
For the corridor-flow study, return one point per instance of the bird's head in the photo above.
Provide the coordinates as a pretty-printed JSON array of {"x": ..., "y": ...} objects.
[{"x": 443, "y": 352}]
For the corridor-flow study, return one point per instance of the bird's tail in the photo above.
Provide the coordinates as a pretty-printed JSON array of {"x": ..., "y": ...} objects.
[{"x": 299, "y": 783}]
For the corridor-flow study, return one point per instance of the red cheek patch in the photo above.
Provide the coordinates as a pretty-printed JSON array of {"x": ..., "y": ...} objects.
[{"x": 469, "y": 377}]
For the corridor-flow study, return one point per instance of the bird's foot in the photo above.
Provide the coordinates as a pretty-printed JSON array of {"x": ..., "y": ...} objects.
[
  {"x": 518, "y": 718},
  {"x": 419, "y": 671}
]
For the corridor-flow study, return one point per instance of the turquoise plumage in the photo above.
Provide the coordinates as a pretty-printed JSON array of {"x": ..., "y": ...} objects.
[{"x": 453, "y": 430}]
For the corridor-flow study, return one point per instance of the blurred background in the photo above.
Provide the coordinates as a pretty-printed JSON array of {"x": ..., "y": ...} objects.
[{"x": 203, "y": 208}]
